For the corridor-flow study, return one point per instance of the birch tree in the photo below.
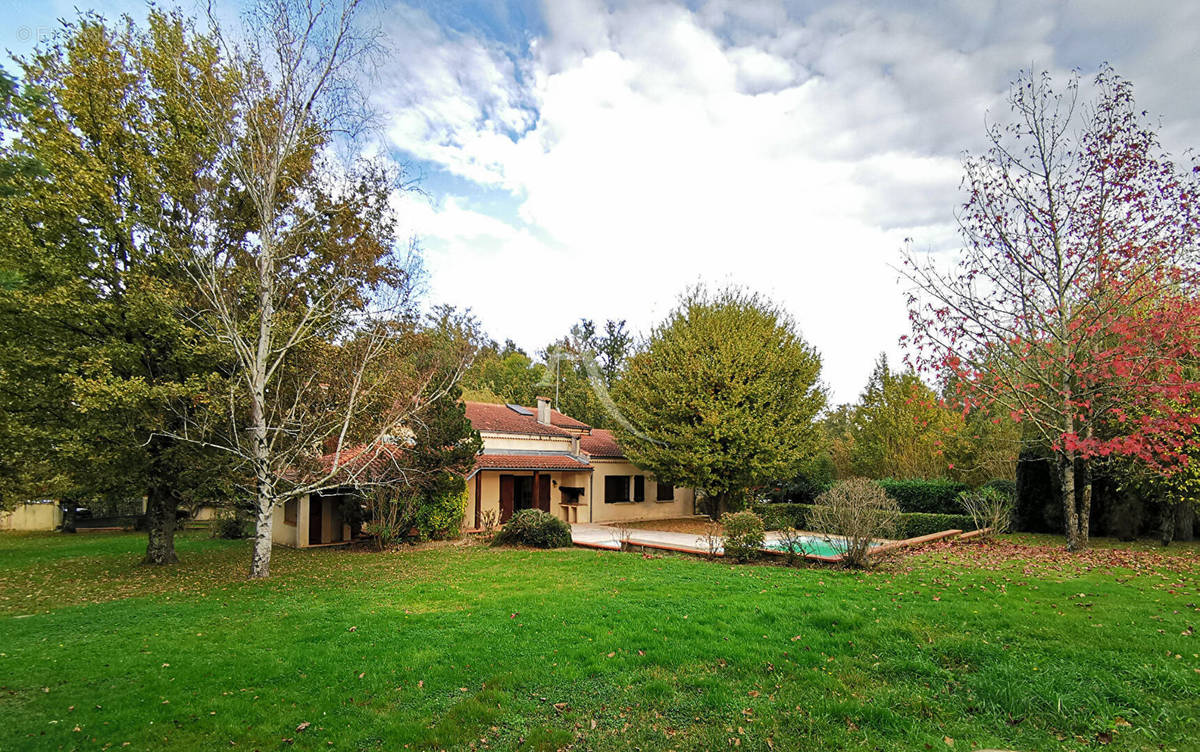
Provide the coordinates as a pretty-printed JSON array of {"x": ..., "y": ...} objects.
[
  {"x": 1072, "y": 306},
  {"x": 304, "y": 282}
]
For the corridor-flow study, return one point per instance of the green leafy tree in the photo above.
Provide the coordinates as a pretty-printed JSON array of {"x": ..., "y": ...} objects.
[
  {"x": 506, "y": 375},
  {"x": 899, "y": 429},
  {"x": 444, "y": 441},
  {"x": 582, "y": 367},
  {"x": 104, "y": 176},
  {"x": 722, "y": 397}
]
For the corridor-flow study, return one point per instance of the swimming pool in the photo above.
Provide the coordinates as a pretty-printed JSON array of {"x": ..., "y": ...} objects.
[{"x": 813, "y": 545}]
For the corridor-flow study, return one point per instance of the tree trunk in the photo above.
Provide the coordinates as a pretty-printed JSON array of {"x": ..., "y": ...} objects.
[
  {"x": 1085, "y": 504},
  {"x": 717, "y": 505},
  {"x": 1185, "y": 521},
  {"x": 260, "y": 559},
  {"x": 68, "y": 522},
  {"x": 1166, "y": 523},
  {"x": 160, "y": 525},
  {"x": 1066, "y": 475}
]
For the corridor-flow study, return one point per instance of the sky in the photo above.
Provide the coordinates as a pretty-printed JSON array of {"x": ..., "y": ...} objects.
[{"x": 587, "y": 159}]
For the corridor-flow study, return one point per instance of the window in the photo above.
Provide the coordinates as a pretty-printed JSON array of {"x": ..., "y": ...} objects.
[
  {"x": 639, "y": 488},
  {"x": 666, "y": 492},
  {"x": 616, "y": 488},
  {"x": 289, "y": 512}
]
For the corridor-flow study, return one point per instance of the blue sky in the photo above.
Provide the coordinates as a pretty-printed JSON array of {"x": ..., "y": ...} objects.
[{"x": 582, "y": 158}]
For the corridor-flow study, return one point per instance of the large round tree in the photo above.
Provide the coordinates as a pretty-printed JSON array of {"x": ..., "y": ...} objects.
[{"x": 721, "y": 397}]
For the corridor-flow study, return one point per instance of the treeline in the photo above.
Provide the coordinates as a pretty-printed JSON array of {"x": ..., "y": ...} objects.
[{"x": 577, "y": 370}]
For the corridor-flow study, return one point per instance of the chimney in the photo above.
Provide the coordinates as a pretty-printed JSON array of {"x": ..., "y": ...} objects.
[{"x": 543, "y": 410}]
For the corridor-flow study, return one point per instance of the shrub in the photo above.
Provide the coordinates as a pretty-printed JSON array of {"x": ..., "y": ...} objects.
[
  {"x": 440, "y": 516},
  {"x": 533, "y": 527},
  {"x": 989, "y": 508},
  {"x": 230, "y": 527},
  {"x": 792, "y": 542},
  {"x": 1003, "y": 485},
  {"x": 860, "y": 513},
  {"x": 489, "y": 521},
  {"x": 391, "y": 511},
  {"x": 929, "y": 496},
  {"x": 743, "y": 535},
  {"x": 713, "y": 538}
]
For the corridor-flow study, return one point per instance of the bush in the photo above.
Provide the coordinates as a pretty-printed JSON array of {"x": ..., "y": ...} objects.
[
  {"x": 230, "y": 527},
  {"x": 533, "y": 527},
  {"x": 793, "y": 543},
  {"x": 989, "y": 508},
  {"x": 928, "y": 496},
  {"x": 743, "y": 535},
  {"x": 440, "y": 516},
  {"x": 390, "y": 514},
  {"x": 1003, "y": 485},
  {"x": 860, "y": 513}
]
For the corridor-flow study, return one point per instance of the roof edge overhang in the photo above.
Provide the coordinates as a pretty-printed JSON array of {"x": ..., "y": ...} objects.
[{"x": 477, "y": 470}]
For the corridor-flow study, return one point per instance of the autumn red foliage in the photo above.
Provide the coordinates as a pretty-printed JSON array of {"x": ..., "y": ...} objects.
[{"x": 1074, "y": 304}]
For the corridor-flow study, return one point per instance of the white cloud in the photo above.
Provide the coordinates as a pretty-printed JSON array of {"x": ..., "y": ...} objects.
[{"x": 647, "y": 146}]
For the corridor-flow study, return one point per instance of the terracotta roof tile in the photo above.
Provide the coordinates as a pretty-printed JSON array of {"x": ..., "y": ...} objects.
[
  {"x": 367, "y": 464},
  {"x": 485, "y": 416},
  {"x": 600, "y": 443},
  {"x": 529, "y": 462}
]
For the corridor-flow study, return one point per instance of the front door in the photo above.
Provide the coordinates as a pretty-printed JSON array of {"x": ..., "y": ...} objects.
[
  {"x": 315, "y": 507},
  {"x": 543, "y": 493},
  {"x": 507, "y": 493}
]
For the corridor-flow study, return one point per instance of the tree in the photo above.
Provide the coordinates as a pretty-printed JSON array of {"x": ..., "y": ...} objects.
[
  {"x": 722, "y": 397},
  {"x": 421, "y": 484},
  {"x": 104, "y": 174},
  {"x": 444, "y": 441},
  {"x": 900, "y": 429},
  {"x": 582, "y": 367},
  {"x": 502, "y": 376},
  {"x": 1072, "y": 305},
  {"x": 313, "y": 300}
]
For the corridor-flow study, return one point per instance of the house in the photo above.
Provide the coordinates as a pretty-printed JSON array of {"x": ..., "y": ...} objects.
[
  {"x": 311, "y": 520},
  {"x": 532, "y": 458},
  {"x": 542, "y": 459},
  {"x": 317, "y": 519}
]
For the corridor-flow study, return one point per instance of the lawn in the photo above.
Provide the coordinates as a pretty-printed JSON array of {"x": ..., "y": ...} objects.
[{"x": 1011, "y": 645}]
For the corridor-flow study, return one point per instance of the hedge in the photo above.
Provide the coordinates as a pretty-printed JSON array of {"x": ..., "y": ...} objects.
[
  {"x": 920, "y": 523},
  {"x": 927, "y": 496},
  {"x": 777, "y": 516},
  {"x": 913, "y": 524}
]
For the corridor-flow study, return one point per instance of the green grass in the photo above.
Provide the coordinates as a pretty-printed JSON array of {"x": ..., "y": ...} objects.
[{"x": 1007, "y": 645}]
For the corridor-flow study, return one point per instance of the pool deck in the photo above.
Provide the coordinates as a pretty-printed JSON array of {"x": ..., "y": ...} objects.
[{"x": 608, "y": 538}]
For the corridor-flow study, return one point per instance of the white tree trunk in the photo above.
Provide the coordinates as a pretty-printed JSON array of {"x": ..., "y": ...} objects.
[{"x": 260, "y": 559}]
